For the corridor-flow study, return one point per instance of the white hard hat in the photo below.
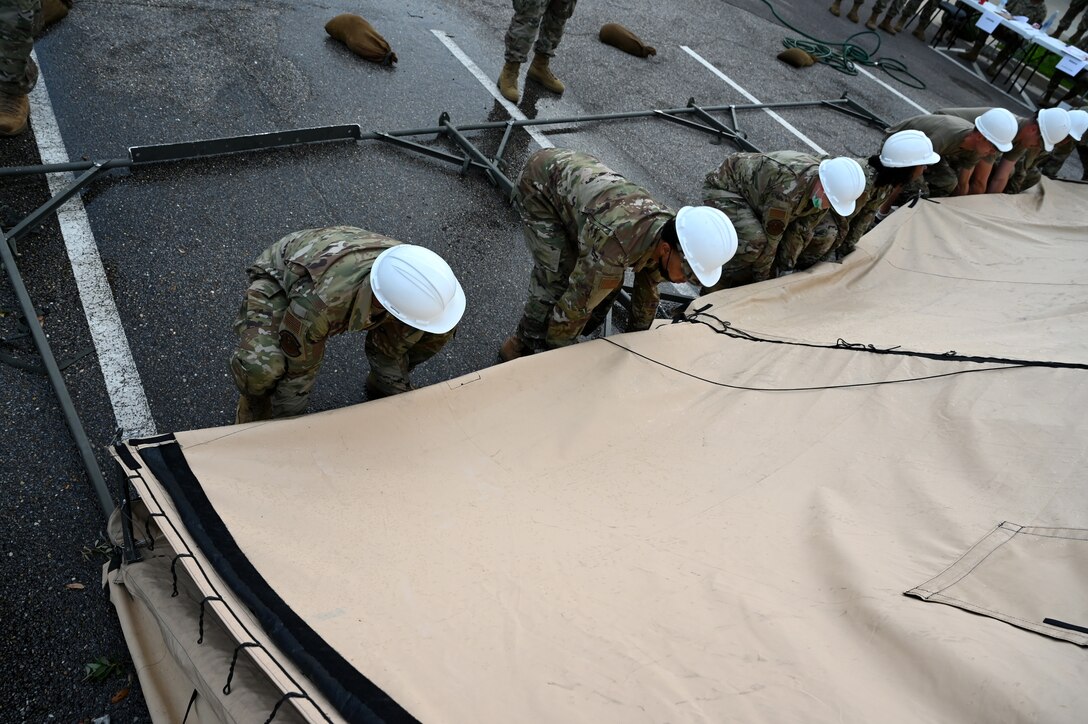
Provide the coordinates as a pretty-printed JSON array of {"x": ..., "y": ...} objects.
[
  {"x": 1053, "y": 126},
  {"x": 418, "y": 287},
  {"x": 908, "y": 148},
  {"x": 999, "y": 126},
  {"x": 708, "y": 240},
  {"x": 843, "y": 182},
  {"x": 1078, "y": 124}
]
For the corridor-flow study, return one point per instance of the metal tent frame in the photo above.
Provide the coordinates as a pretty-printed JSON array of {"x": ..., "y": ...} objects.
[{"x": 692, "y": 116}]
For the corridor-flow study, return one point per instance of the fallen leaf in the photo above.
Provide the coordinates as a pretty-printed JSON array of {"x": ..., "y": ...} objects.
[
  {"x": 119, "y": 696},
  {"x": 74, "y": 586}
]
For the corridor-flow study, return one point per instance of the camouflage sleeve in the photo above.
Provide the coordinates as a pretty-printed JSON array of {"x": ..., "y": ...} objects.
[
  {"x": 387, "y": 349},
  {"x": 591, "y": 280},
  {"x": 797, "y": 236},
  {"x": 644, "y": 299},
  {"x": 860, "y": 223},
  {"x": 303, "y": 332}
]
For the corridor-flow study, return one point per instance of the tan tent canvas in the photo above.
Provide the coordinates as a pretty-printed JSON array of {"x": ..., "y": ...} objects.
[{"x": 746, "y": 516}]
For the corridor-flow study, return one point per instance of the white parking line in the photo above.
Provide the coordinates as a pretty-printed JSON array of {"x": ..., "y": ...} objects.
[
  {"x": 786, "y": 124},
  {"x": 893, "y": 90},
  {"x": 123, "y": 384},
  {"x": 489, "y": 85}
]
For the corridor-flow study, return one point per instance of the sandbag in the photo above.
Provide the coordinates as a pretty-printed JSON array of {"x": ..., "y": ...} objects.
[
  {"x": 361, "y": 38},
  {"x": 796, "y": 57},
  {"x": 620, "y": 37}
]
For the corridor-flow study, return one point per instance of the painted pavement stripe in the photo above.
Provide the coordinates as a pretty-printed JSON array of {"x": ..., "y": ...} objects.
[
  {"x": 786, "y": 124},
  {"x": 126, "y": 391},
  {"x": 490, "y": 87}
]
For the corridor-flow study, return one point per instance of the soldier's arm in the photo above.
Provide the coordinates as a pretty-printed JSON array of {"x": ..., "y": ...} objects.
[
  {"x": 980, "y": 177},
  {"x": 963, "y": 181},
  {"x": 797, "y": 236},
  {"x": 589, "y": 282},
  {"x": 302, "y": 334},
  {"x": 644, "y": 299}
]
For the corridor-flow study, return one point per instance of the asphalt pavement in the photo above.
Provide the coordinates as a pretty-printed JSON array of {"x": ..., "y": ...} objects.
[{"x": 174, "y": 239}]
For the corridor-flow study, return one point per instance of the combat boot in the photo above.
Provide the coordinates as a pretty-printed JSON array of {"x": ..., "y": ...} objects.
[
  {"x": 253, "y": 408},
  {"x": 886, "y": 24},
  {"x": 901, "y": 23},
  {"x": 871, "y": 22},
  {"x": 836, "y": 8},
  {"x": 508, "y": 82},
  {"x": 852, "y": 16},
  {"x": 542, "y": 74},
  {"x": 513, "y": 348},
  {"x": 14, "y": 109},
  {"x": 920, "y": 32}
]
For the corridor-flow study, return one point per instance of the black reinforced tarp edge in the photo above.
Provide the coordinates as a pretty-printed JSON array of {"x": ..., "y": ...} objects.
[{"x": 355, "y": 697}]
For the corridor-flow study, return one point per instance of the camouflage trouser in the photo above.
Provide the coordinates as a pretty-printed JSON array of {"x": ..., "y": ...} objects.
[
  {"x": 548, "y": 16},
  {"x": 19, "y": 20},
  {"x": 263, "y": 372},
  {"x": 755, "y": 252},
  {"x": 911, "y": 7},
  {"x": 897, "y": 6},
  {"x": 1075, "y": 6}
]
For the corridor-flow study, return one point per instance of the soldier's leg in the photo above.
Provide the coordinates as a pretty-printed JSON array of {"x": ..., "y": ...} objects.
[
  {"x": 600, "y": 312},
  {"x": 523, "y": 29},
  {"x": 258, "y": 363},
  {"x": 551, "y": 26},
  {"x": 1082, "y": 30},
  {"x": 755, "y": 253},
  {"x": 393, "y": 350},
  {"x": 19, "y": 19},
  {"x": 1067, "y": 19},
  {"x": 554, "y": 257}
]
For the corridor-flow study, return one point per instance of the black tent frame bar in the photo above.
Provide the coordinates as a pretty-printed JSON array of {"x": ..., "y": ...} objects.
[{"x": 473, "y": 158}]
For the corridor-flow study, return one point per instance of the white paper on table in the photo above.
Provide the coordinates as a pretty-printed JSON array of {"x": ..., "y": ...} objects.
[
  {"x": 988, "y": 21},
  {"x": 1070, "y": 65}
]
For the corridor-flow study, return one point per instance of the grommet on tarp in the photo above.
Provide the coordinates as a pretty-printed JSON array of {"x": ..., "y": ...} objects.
[
  {"x": 174, "y": 572},
  {"x": 285, "y": 697},
  {"x": 234, "y": 661},
  {"x": 204, "y": 600},
  {"x": 147, "y": 530}
]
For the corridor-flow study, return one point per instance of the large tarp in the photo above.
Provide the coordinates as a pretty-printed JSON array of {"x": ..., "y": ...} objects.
[{"x": 748, "y": 516}]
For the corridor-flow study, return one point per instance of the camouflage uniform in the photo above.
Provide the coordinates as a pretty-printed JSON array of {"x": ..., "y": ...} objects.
[
  {"x": 947, "y": 134},
  {"x": 768, "y": 197},
  {"x": 1025, "y": 154},
  {"x": 585, "y": 225},
  {"x": 548, "y": 16},
  {"x": 1075, "y": 7},
  {"x": 305, "y": 288},
  {"x": 1029, "y": 173},
  {"x": 1052, "y": 163},
  {"x": 837, "y": 235},
  {"x": 19, "y": 21}
]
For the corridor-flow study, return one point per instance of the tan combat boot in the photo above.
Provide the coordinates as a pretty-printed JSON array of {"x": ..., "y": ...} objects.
[
  {"x": 252, "y": 408},
  {"x": 871, "y": 22},
  {"x": 508, "y": 82},
  {"x": 14, "y": 110},
  {"x": 513, "y": 348},
  {"x": 920, "y": 32},
  {"x": 852, "y": 16},
  {"x": 542, "y": 74},
  {"x": 901, "y": 22},
  {"x": 836, "y": 8},
  {"x": 886, "y": 24}
]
